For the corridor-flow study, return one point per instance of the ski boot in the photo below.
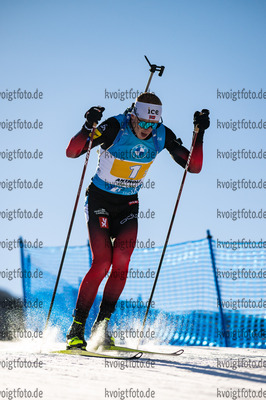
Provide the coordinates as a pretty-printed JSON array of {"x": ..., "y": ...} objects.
[
  {"x": 100, "y": 334},
  {"x": 75, "y": 336}
]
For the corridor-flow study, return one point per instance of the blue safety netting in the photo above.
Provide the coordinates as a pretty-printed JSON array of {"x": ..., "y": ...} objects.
[{"x": 197, "y": 301}]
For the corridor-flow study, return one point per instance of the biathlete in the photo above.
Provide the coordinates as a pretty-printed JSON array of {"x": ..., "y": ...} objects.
[{"x": 129, "y": 143}]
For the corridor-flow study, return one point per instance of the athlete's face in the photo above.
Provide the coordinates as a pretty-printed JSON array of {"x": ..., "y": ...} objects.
[{"x": 141, "y": 133}]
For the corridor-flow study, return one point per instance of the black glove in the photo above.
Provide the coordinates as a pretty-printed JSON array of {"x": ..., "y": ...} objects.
[
  {"x": 201, "y": 119},
  {"x": 93, "y": 115}
]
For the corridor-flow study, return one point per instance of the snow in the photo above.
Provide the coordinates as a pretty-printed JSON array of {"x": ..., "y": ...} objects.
[{"x": 199, "y": 373}]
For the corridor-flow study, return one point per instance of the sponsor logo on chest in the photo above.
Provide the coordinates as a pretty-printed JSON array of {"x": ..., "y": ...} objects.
[{"x": 139, "y": 151}]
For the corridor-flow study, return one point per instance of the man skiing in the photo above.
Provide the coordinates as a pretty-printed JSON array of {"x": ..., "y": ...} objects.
[{"x": 129, "y": 143}]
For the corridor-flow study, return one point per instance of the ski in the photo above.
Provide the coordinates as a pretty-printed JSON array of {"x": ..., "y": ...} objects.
[
  {"x": 128, "y": 349},
  {"x": 85, "y": 353}
]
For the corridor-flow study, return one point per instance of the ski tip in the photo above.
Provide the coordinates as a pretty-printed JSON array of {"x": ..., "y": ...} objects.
[
  {"x": 178, "y": 352},
  {"x": 137, "y": 355}
]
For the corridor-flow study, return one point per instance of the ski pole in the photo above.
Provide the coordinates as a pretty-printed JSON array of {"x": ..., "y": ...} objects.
[
  {"x": 70, "y": 227},
  {"x": 169, "y": 232}
]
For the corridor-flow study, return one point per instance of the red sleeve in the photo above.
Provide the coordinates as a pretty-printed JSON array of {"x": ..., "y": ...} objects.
[
  {"x": 196, "y": 160},
  {"x": 78, "y": 144},
  {"x": 104, "y": 135},
  {"x": 180, "y": 153}
]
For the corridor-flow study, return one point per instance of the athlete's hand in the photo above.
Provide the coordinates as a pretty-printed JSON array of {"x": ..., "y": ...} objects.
[
  {"x": 93, "y": 116},
  {"x": 201, "y": 120}
]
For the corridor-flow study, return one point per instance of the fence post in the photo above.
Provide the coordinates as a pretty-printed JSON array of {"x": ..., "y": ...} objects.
[
  {"x": 22, "y": 258},
  {"x": 209, "y": 237},
  {"x": 89, "y": 253}
]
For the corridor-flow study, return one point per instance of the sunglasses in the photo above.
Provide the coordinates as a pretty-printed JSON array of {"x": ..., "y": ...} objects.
[{"x": 146, "y": 125}]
